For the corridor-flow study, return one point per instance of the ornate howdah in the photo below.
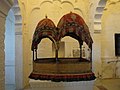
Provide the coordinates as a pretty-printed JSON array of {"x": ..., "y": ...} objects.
[{"x": 62, "y": 69}]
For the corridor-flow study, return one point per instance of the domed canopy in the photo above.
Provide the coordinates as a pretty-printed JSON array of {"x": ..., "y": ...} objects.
[
  {"x": 70, "y": 24},
  {"x": 73, "y": 25},
  {"x": 45, "y": 28}
]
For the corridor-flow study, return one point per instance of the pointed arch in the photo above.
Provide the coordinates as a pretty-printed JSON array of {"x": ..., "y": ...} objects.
[{"x": 98, "y": 16}]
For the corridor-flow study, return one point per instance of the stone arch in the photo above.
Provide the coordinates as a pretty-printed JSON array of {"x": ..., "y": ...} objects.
[
  {"x": 79, "y": 11},
  {"x": 47, "y": 43},
  {"x": 47, "y": 1},
  {"x": 98, "y": 14},
  {"x": 72, "y": 49},
  {"x": 3, "y": 14},
  {"x": 5, "y": 7},
  {"x": 57, "y": 0},
  {"x": 67, "y": 2}
]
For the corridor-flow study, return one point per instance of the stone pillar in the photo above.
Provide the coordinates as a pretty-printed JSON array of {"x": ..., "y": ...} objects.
[
  {"x": 18, "y": 47},
  {"x": 5, "y": 5}
]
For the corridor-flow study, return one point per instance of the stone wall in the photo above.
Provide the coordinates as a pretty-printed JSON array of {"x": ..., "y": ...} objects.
[
  {"x": 4, "y": 8},
  {"x": 2, "y": 57},
  {"x": 110, "y": 26}
]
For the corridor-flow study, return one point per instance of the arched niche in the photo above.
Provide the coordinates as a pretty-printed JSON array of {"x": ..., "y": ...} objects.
[
  {"x": 45, "y": 48},
  {"x": 71, "y": 46}
]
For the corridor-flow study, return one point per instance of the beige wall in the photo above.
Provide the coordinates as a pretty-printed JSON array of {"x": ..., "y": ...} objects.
[{"x": 110, "y": 26}]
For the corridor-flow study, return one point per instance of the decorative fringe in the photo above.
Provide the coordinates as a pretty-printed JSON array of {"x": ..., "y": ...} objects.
[{"x": 63, "y": 77}]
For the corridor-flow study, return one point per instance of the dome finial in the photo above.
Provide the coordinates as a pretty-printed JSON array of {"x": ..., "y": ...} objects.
[
  {"x": 70, "y": 11},
  {"x": 46, "y": 16}
]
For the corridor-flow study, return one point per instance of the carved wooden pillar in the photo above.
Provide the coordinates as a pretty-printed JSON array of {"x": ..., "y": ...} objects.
[{"x": 81, "y": 43}]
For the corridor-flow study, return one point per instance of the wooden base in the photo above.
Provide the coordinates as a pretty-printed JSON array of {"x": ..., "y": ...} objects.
[{"x": 66, "y": 69}]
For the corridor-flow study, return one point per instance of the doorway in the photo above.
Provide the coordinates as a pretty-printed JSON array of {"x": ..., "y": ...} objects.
[{"x": 10, "y": 51}]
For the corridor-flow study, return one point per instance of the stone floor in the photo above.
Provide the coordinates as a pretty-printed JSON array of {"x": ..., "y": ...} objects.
[
  {"x": 99, "y": 84},
  {"x": 107, "y": 84},
  {"x": 9, "y": 87}
]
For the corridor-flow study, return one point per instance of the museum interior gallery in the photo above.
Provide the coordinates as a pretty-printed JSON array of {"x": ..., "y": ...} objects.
[{"x": 59, "y": 44}]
